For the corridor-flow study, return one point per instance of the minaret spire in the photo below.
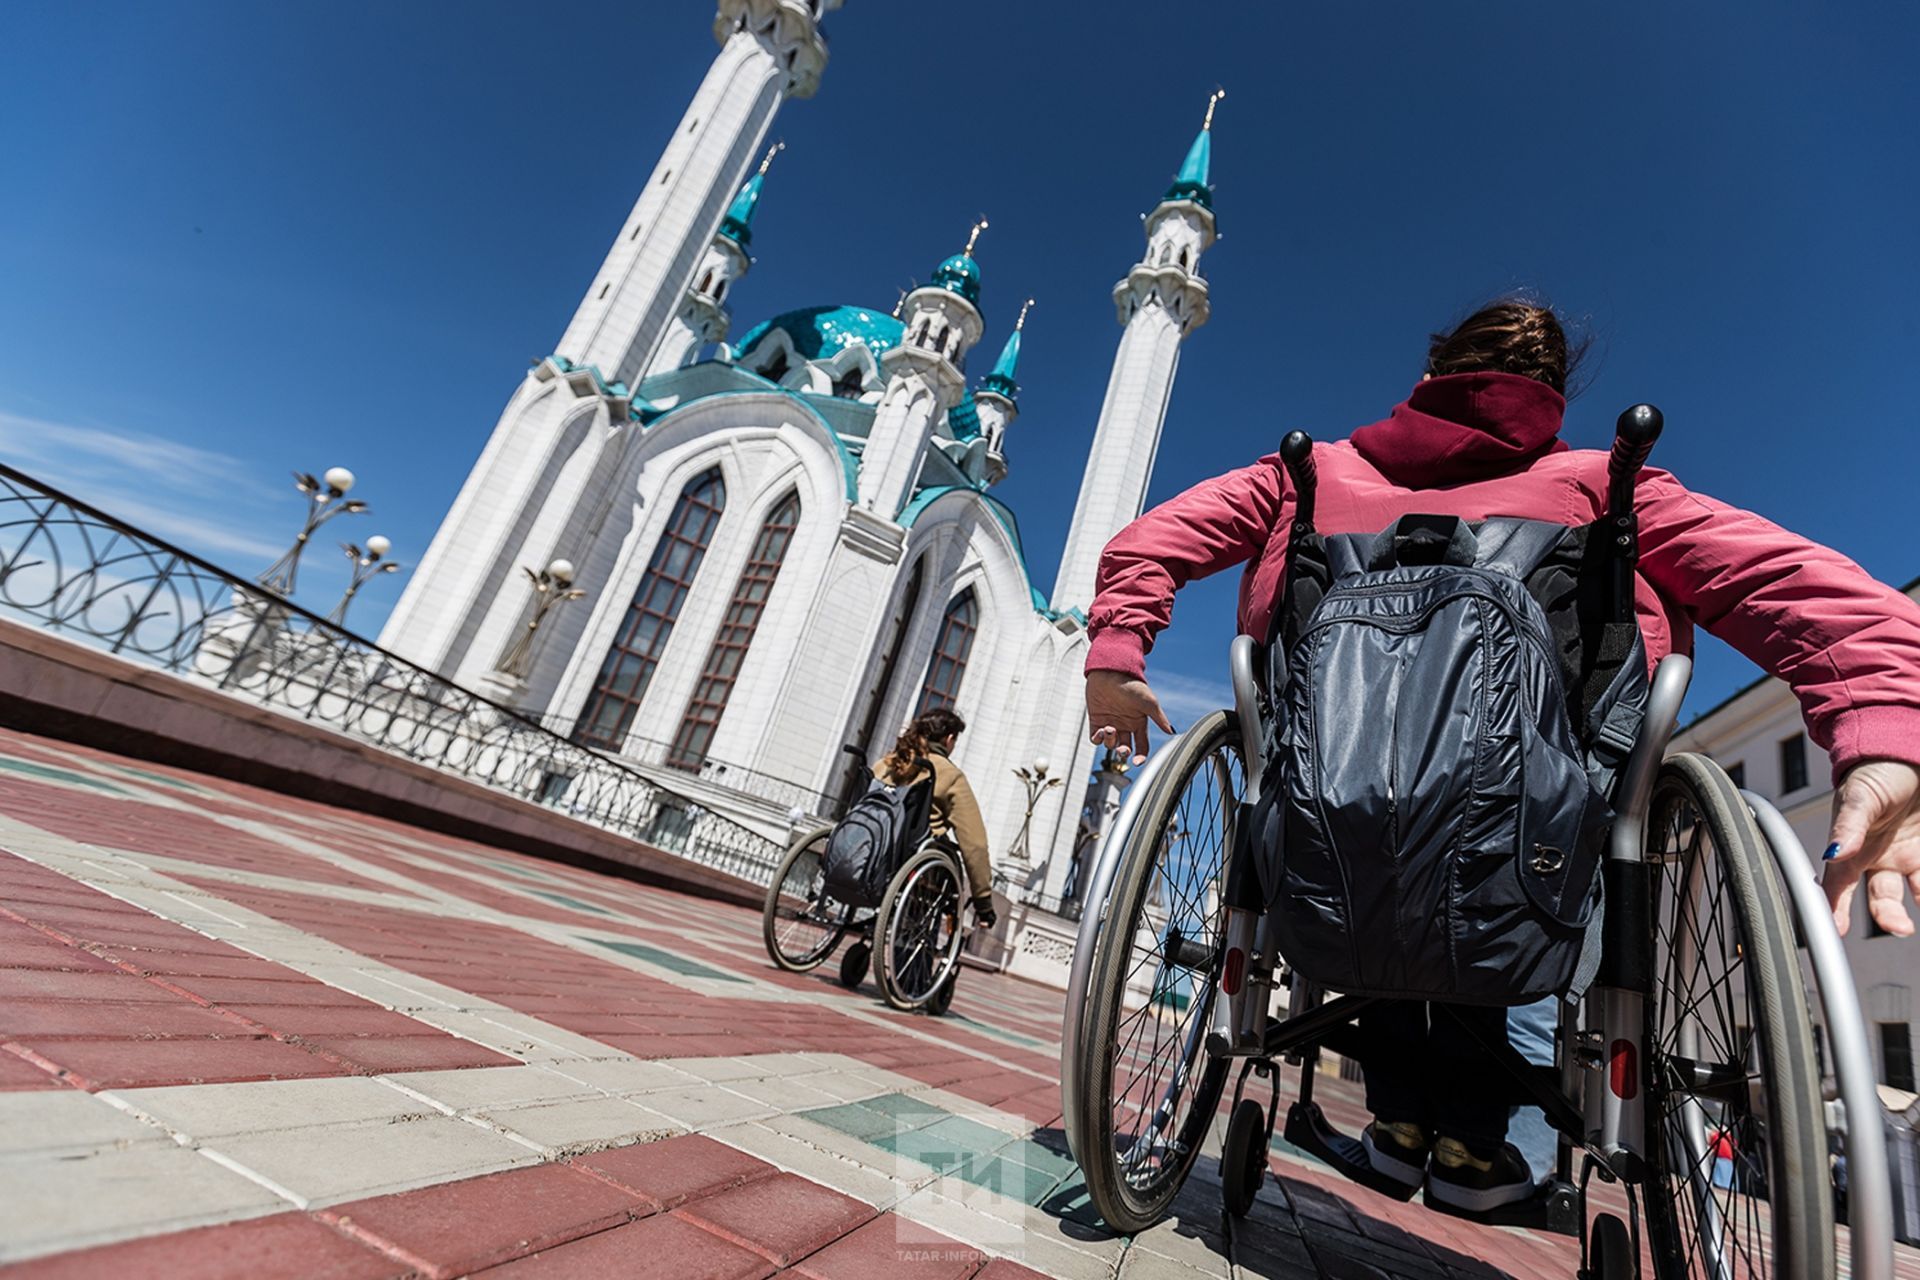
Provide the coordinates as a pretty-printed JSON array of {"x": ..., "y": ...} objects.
[
  {"x": 1162, "y": 300},
  {"x": 998, "y": 399}
]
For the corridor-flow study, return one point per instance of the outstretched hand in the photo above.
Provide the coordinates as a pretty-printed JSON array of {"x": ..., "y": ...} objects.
[
  {"x": 1876, "y": 834},
  {"x": 1118, "y": 709}
]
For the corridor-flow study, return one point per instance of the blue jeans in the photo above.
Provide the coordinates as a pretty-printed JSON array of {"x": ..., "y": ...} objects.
[{"x": 1530, "y": 1029}]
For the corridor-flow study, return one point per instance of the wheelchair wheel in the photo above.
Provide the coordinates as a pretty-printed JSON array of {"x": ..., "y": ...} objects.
[
  {"x": 942, "y": 998},
  {"x": 1609, "y": 1250},
  {"x": 1243, "y": 1161},
  {"x": 1729, "y": 1049},
  {"x": 853, "y": 965},
  {"x": 800, "y": 923},
  {"x": 917, "y": 933},
  {"x": 1146, "y": 1088}
]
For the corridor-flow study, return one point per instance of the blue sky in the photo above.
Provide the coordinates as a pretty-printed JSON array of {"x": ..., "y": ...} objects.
[{"x": 238, "y": 239}]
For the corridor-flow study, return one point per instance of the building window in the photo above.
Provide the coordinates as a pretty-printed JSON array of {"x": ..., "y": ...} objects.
[
  {"x": 1896, "y": 1056},
  {"x": 776, "y": 368},
  {"x": 1793, "y": 763},
  {"x": 850, "y": 384},
  {"x": 942, "y": 686},
  {"x": 1738, "y": 772},
  {"x": 636, "y": 650},
  {"x": 730, "y": 643}
]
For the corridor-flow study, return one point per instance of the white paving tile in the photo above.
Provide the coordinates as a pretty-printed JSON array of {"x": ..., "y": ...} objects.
[
  {"x": 203, "y": 1111},
  {"x": 587, "y": 1124},
  {"x": 345, "y": 1162},
  {"x": 48, "y": 1204},
  {"x": 66, "y": 1122}
]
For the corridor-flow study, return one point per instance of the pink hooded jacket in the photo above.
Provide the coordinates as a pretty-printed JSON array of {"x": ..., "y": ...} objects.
[{"x": 1482, "y": 444}]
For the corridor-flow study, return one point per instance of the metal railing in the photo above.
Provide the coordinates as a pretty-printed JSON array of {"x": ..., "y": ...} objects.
[{"x": 74, "y": 569}]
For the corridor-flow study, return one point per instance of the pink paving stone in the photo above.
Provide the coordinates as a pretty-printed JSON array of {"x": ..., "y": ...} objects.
[
  {"x": 890, "y": 1247},
  {"x": 121, "y": 1019},
  {"x": 294, "y": 989},
  {"x": 18, "y": 1073},
  {"x": 459, "y": 1227},
  {"x": 782, "y": 1217},
  {"x": 41, "y": 952},
  {"x": 53, "y": 984},
  {"x": 286, "y": 1244},
  {"x": 673, "y": 1171},
  {"x": 431, "y": 1052},
  {"x": 311, "y": 1020},
  {"x": 124, "y": 1064},
  {"x": 662, "y": 1247}
]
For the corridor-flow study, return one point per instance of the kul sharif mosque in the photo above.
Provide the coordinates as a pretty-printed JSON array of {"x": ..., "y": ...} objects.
[{"x": 793, "y": 545}]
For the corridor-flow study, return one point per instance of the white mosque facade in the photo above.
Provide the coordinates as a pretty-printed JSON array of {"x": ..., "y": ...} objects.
[{"x": 788, "y": 540}]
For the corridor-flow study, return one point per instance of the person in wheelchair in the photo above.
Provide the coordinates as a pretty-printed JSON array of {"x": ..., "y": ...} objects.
[
  {"x": 1479, "y": 436},
  {"x": 955, "y": 817}
]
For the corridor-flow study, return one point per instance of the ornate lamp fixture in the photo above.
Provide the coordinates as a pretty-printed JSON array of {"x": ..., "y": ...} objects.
[
  {"x": 327, "y": 498},
  {"x": 552, "y": 587}
]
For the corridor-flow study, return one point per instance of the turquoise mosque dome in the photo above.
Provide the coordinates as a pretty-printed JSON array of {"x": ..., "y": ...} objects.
[
  {"x": 821, "y": 333},
  {"x": 960, "y": 274}
]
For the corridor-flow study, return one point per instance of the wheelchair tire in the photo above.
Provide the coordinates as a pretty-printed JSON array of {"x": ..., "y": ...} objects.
[
  {"x": 942, "y": 998},
  {"x": 1729, "y": 1048},
  {"x": 799, "y": 923},
  {"x": 917, "y": 933},
  {"x": 854, "y": 964},
  {"x": 1243, "y": 1160},
  {"x": 1193, "y": 800},
  {"x": 1609, "y": 1250}
]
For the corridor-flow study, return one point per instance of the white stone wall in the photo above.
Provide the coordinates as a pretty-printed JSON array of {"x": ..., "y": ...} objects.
[{"x": 1747, "y": 730}]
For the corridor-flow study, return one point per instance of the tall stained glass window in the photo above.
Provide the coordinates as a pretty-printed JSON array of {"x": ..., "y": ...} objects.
[
  {"x": 949, "y": 664},
  {"x": 636, "y": 650},
  {"x": 730, "y": 643}
]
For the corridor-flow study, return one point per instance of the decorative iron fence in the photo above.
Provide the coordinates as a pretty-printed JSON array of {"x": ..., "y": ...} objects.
[{"x": 76, "y": 570}]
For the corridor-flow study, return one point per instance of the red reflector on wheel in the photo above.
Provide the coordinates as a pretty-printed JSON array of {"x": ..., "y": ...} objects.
[
  {"x": 1623, "y": 1070},
  {"x": 1234, "y": 971}
]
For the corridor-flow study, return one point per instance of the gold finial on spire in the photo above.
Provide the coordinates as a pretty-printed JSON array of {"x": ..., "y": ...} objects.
[
  {"x": 901, "y": 305},
  {"x": 772, "y": 151},
  {"x": 1213, "y": 100},
  {"x": 973, "y": 237},
  {"x": 1021, "y": 323}
]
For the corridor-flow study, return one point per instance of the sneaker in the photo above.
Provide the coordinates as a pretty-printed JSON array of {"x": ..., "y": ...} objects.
[
  {"x": 1397, "y": 1150},
  {"x": 1459, "y": 1178}
]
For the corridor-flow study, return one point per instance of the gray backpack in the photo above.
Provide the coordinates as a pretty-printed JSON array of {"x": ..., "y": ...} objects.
[
  {"x": 1456, "y": 702},
  {"x": 871, "y": 842}
]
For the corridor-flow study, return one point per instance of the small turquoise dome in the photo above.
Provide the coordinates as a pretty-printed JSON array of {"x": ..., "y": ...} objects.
[{"x": 959, "y": 274}]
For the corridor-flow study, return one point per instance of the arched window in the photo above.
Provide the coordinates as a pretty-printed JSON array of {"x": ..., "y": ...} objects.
[
  {"x": 949, "y": 664},
  {"x": 706, "y": 282},
  {"x": 775, "y": 368},
  {"x": 730, "y": 643},
  {"x": 858, "y": 779},
  {"x": 850, "y": 384},
  {"x": 720, "y": 292},
  {"x": 636, "y": 650}
]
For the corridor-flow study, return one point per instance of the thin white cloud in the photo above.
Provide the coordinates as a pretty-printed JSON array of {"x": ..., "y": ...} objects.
[
  {"x": 1186, "y": 698},
  {"x": 176, "y": 491}
]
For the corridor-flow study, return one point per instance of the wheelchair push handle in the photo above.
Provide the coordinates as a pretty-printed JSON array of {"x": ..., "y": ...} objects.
[
  {"x": 1296, "y": 452},
  {"x": 1634, "y": 436}
]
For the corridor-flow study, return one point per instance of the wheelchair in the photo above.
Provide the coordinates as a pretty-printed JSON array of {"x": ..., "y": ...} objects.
[
  {"x": 1698, "y": 1023},
  {"x": 911, "y": 940}
]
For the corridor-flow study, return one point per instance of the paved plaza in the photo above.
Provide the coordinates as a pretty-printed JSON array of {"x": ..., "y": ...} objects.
[{"x": 247, "y": 1035}]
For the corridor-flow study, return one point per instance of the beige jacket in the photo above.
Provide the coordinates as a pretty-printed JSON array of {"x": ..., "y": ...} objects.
[{"x": 956, "y": 819}]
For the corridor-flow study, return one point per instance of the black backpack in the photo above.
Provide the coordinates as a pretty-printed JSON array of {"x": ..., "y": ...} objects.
[
  {"x": 1456, "y": 699},
  {"x": 875, "y": 837}
]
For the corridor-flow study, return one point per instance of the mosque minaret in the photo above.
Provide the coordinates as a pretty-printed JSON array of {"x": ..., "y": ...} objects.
[{"x": 789, "y": 540}]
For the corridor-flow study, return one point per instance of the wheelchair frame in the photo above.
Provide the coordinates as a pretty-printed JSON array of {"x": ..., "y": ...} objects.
[
  {"x": 1592, "y": 1107},
  {"x": 868, "y": 930}
]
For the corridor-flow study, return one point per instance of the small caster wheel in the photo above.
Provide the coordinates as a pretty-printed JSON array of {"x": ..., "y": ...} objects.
[
  {"x": 1610, "y": 1251},
  {"x": 1243, "y": 1161},
  {"x": 942, "y": 1000},
  {"x": 853, "y": 965}
]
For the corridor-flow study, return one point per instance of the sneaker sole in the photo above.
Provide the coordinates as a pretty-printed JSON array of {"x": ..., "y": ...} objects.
[
  {"x": 1477, "y": 1199},
  {"x": 1392, "y": 1166}
]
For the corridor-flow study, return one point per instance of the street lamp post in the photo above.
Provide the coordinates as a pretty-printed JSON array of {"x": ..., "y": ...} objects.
[
  {"x": 552, "y": 588},
  {"x": 1036, "y": 780},
  {"x": 367, "y": 565},
  {"x": 327, "y": 498}
]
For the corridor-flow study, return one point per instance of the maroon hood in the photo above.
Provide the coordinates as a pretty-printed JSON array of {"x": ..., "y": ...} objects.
[{"x": 1463, "y": 427}]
